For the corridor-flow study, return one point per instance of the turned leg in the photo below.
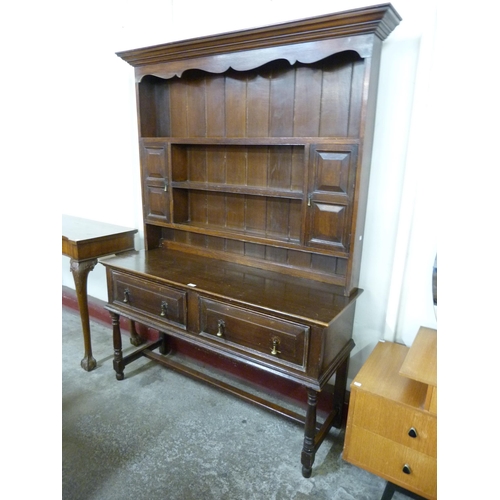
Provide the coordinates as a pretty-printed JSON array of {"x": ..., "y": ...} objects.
[
  {"x": 117, "y": 345},
  {"x": 80, "y": 272},
  {"x": 135, "y": 338},
  {"x": 309, "y": 449},
  {"x": 164, "y": 347}
]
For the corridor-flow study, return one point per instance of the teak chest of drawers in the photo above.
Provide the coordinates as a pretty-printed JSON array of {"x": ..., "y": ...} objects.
[
  {"x": 255, "y": 151},
  {"x": 392, "y": 422}
]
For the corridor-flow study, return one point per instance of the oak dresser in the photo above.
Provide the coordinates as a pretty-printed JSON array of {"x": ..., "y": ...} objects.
[{"x": 255, "y": 153}]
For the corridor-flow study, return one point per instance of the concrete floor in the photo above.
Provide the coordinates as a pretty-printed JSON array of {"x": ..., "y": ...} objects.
[{"x": 160, "y": 435}]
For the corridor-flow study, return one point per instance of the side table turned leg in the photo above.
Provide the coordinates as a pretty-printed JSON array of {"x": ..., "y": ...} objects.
[
  {"x": 80, "y": 270},
  {"x": 135, "y": 338}
]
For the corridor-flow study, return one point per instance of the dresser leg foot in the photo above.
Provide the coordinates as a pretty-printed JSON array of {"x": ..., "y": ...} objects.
[
  {"x": 309, "y": 448},
  {"x": 306, "y": 472},
  {"x": 117, "y": 345}
]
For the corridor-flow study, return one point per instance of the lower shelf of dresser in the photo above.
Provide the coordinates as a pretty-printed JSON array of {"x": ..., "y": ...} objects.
[
  {"x": 315, "y": 430},
  {"x": 240, "y": 388}
]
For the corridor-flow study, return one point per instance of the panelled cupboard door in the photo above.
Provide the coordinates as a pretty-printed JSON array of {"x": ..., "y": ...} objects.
[
  {"x": 330, "y": 198},
  {"x": 155, "y": 181}
]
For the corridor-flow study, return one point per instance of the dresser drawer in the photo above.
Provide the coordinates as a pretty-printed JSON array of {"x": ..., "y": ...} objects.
[
  {"x": 275, "y": 339},
  {"x": 395, "y": 421},
  {"x": 162, "y": 302},
  {"x": 388, "y": 459}
]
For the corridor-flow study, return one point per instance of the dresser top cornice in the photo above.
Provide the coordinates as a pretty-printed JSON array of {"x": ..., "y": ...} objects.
[{"x": 379, "y": 20}]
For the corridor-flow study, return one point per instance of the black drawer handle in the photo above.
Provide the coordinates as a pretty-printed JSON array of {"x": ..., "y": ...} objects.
[
  {"x": 126, "y": 296},
  {"x": 412, "y": 432},
  {"x": 164, "y": 308},
  {"x": 406, "y": 469}
]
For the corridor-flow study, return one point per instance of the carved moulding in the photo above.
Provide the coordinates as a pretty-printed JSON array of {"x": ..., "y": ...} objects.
[{"x": 305, "y": 53}]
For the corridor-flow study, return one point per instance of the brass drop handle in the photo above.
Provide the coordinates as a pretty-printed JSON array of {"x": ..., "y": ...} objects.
[
  {"x": 126, "y": 296},
  {"x": 220, "y": 328},
  {"x": 164, "y": 307},
  {"x": 274, "y": 350},
  {"x": 412, "y": 432},
  {"x": 406, "y": 469}
]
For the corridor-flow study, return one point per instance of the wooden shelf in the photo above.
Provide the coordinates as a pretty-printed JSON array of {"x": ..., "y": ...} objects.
[
  {"x": 239, "y": 189},
  {"x": 238, "y": 234},
  {"x": 252, "y": 141}
]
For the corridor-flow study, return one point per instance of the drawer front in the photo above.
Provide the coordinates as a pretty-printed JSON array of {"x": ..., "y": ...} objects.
[
  {"x": 162, "y": 302},
  {"x": 388, "y": 459},
  {"x": 394, "y": 421},
  {"x": 263, "y": 336}
]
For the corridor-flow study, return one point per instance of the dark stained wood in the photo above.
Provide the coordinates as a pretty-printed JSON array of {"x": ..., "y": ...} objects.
[
  {"x": 286, "y": 295},
  {"x": 379, "y": 20},
  {"x": 255, "y": 160},
  {"x": 84, "y": 239}
]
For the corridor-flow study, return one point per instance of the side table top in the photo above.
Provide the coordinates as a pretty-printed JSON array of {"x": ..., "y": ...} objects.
[
  {"x": 77, "y": 229},
  {"x": 87, "y": 239}
]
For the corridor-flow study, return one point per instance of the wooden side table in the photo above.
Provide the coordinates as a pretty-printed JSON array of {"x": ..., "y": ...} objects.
[
  {"x": 84, "y": 241},
  {"x": 392, "y": 423}
]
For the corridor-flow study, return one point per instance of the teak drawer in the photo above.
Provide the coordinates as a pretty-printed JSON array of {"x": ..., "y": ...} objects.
[
  {"x": 281, "y": 341},
  {"x": 162, "y": 302},
  {"x": 395, "y": 421},
  {"x": 389, "y": 460}
]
